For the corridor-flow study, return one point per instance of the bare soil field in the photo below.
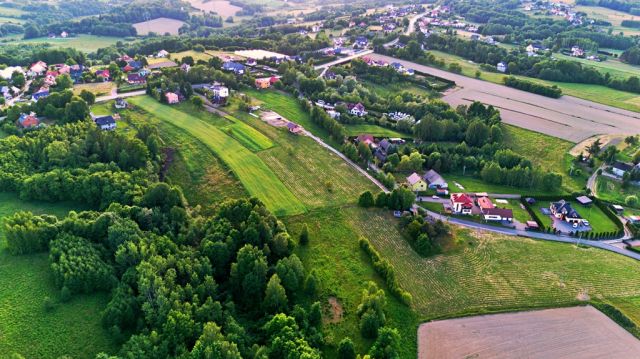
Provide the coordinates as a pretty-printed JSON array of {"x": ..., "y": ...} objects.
[
  {"x": 221, "y": 7},
  {"x": 160, "y": 26},
  {"x": 569, "y": 118},
  {"x": 568, "y": 333}
]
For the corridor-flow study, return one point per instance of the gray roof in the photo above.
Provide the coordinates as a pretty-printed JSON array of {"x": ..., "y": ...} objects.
[{"x": 433, "y": 177}]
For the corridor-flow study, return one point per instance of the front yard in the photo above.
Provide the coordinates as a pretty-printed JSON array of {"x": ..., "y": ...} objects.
[{"x": 598, "y": 220}]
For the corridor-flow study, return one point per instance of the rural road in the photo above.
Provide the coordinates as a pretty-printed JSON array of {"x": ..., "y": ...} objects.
[
  {"x": 568, "y": 117},
  {"x": 410, "y": 29}
]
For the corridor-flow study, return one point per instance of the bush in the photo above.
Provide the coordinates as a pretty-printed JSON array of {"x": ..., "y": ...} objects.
[
  {"x": 631, "y": 201},
  {"x": 386, "y": 271},
  {"x": 366, "y": 200},
  {"x": 346, "y": 349},
  {"x": 304, "y": 235},
  {"x": 549, "y": 91}
]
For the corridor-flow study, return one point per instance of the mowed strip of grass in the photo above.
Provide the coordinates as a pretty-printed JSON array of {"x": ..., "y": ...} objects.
[
  {"x": 259, "y": 180},
  {"x": 375, "y": 130},
  {"x": 247, "y": 135},
  {"x": 73, "y": 328}
]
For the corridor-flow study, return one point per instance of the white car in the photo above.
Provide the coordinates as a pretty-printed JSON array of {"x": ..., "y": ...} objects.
[
  {"x": 575, "y": 225},
  {"x": 435, "y": 197},
  {"x": 585, "y": 222}
]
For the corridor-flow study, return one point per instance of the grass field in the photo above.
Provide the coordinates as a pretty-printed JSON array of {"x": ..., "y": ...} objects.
[
  {"x": 481, "y": 273},
  {"x": 85, "y": 43},
  {"x": 599, "y": 94},
  {"x": 159, "y": 26},
  {"x": 549, "y": 153},
  {"x": 71, "y": 328},
  {"x": 474, "y": 184},
  {"x": 378, "y": 131},
  {"x": 255, "y": 175},
  {"x": 612, "y": 16},
  {"x": 615, "y": 68},
  {"x": 221, "y": 7},
  {"x": 611, "y": 190},
  {"x": 178, "y": 56},
  {"x": 316, "y": 176},
  {"x": 98, "y": 88},
  {"x": 247, "y": 135}
]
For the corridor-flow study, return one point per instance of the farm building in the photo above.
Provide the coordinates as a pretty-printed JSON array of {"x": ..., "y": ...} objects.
[
  {"x": 584, "y": 200},
  {"x": 485, "y": 204},
  {"x": 136, "y": 79},
  {"x": 263, "y": 83},
  {"x": 620, "y": 168},
  {"x": 120, "y": 103},
  {"x": 434, "y": 180}
]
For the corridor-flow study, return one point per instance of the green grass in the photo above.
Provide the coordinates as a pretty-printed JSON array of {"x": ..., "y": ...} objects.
[
  {"x": 546, "y": 152},
  {"x": 595, "y": 93},
  {"x": 378, "y": 131},
  {"x": 316, "y": 176},
  {"x": 611, "y": 190},
  {"x": 597, "y": 219},
  {"x": 259, "y": 180},
  {"x": 288, "y": 107},
  {"x": 474, "y": 184},
  {"x": 395, "y": 88},
  {"x": 615, "y": 68},
  {"x": 85, "y": 43},
  {"x": 247, "y": 135},
  {"x": 520, "y": 214},
  {"x": 71, "y": 328},
  {"x": 204, "y": 179}
]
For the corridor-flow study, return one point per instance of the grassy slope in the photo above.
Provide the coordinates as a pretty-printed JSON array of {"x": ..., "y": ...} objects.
[
  {"x": 599, "y": 94},
  {"x": 481, "y": 273},
  {"x": 72, "y": 328},
  {"x": 85, "y": 43},
  {"x": 258, "y": 179}
]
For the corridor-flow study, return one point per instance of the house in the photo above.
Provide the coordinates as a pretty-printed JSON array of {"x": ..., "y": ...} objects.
[
  {"x": 563, "y": 210},
  {"x": 366, "y": 139},
  {"x": 498, "y": 214},
  {"x": 577, "y": 51},
  {"x": 37, "y": 69},
  {"x": 42, "y": 93},
  {"x": 49, "y": 80},
  {"x": 383, "y": 150},
  {"x": 294, "y": 128},
  {"x": 185, "y": 67},
  {"x": 330, "y": 75},
  {"x": 75, "y": 72},
  {"x": 361, "y": 42},
  {"x": 356, "y": 109},
  {"x": 121, "y": 103},
  {"x": 28, "y": 120},
  {"x": 128, "y": 68},
  {"x": 220, "y": 93},
  {"x": 502, "y": 67},
  {"x": 416, "y": 183},
  {"x": 135, "y": 64},
  {"x": 124, "y": 58},
  {"x": 397, "y": 66},
  {"x": 172, "y": 98},
  {"x": 620, "y": 168},
  {"x": 64, "y": 34},
  {"x": 105, "y": 74},
  {"x": 434, "y": 180},
  {"x": 485, "y": 203},
  {"x": 105, "y": 123},
  {"x": 135, "y": 79},
  {"x": 237, "y": 68},
  {"x": 461, "y": 203},
  {"x": 8, "y": 71},
  {"x": 162, "y": 53},
  {"x": 263, "y": 83}
]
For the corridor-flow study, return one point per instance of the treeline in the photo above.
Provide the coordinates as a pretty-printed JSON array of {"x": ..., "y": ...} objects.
[
  {"x": 549, "y": 91},
  {"x": 631, "y": 23},
  {"x": 320, "y": 117},
  {"x": 522, "y": 177},
  {"x": 26, "y": 54},
  {"x": 631, "y": 56}
]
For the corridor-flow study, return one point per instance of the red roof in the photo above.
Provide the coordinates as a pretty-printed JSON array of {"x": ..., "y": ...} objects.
[
  {"x": 128, "y": 68},
  {"x": 485, "y": 203},
  {"x": 368, "y": 139},
  {"x": 462, "y": 198}
]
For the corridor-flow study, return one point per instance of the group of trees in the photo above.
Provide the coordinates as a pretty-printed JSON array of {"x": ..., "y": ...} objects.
[
  {"x": 621, "y": 5},
  {"x": 549, "y": 91},
  {"x": 424, "y": 237}
]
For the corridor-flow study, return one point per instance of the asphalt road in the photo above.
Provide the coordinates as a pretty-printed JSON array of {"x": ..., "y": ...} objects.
[{"x": 569, "y": 118}]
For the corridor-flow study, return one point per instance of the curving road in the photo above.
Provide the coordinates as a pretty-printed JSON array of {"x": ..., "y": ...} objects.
[{"x": 568, "y": 117}]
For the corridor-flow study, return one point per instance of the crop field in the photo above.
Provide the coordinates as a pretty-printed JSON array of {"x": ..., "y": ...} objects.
[
  {"x": 599, "y": 94},
  {"x": 247, "y": 135},
  {"x": 378, "y": 131},
  {"x": 615, "y": 68},
  {"x": 197, "y": 56},
  {"x": 612, "y": 16},
  {"x": 583, "y": 331},
  {"x": 71, "y": 328},
  {"x": 159, "y": 26},
  {"x": 492, "y": 272},
  {"x": 85, "y": 43},
  {"x": 255, "y": 175}
]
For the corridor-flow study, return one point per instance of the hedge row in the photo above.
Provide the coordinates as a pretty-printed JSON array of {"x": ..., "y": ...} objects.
[
  {"x": 618, "y": 317},
  {"x": 386, "y": 271}
]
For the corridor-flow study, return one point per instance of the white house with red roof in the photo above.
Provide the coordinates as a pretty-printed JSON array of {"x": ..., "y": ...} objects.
[
  {"x": 357, "y": 109},
  {"x": 461, "y": 203},
  {"x": 37, "y": 69}
]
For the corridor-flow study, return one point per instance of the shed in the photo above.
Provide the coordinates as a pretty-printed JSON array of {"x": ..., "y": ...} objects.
[
  {"x": 617, "y": 208},
  {"x": 584, "y": 200}
]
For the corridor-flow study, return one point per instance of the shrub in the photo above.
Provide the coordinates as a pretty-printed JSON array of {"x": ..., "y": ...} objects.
[{"x": 386, "y": 271}]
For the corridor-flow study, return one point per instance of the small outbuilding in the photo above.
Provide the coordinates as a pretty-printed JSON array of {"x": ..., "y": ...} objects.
[{"x": 584, "y": 200}]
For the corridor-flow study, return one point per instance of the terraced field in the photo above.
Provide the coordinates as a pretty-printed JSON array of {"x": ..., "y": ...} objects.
[{"x": 255, "y": 175}]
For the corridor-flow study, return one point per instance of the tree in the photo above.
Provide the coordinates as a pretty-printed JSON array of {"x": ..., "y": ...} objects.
[
  {"x": 17, "y": 79},
  {"x": 631, "y": 201},
  {"x": 213, "y": 344},
  {"x": 197, "y": 102},
  {"x": 366, "y": 199},
  {"x": 387, "y": 344},
  {"x": 365, "y": 152},
  {"x": 249, "y": 275},
  {"x": 346, "y": 349},
  {"x": 76, "y": 110},
  {"x": 275, "y": 297},
  {"x": 594, "y": 148},
  {"x": 88, "y": 97},
  {"x": 291, "y": 273},
  {"x": 312, "y": 283},
  {"x": 371, "y": 311},
  {"x": 304, "y": 235},
  {"x": 64, "y": 82},
  {"x": 477, "y": 134}
]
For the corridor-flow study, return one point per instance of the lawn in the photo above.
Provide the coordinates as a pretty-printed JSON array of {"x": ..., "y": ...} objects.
[
  {"x": 72, "y": 328},
  {"x": 549, "y": 153},
  {"x": 596, "y": 217},
  {"x": 611, "y": 190},
  {"x": 178, "y": 56},
  {"x": 595, "y": 93},
  {"x": 483, "y": 272},
  {"x": 519, "y": 214},
  {"x": 258, "y": 179},
  {"x": 316, "y": 176},
  {"x": 474, "y": 184},
  {"x": 85, "y": 43},
  {"x": 378, "y": 131}
]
